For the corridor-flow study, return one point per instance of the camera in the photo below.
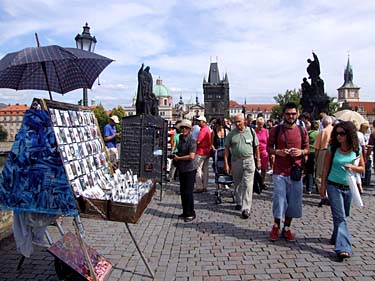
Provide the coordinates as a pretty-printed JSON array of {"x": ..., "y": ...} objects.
[{"x": 171, "y": 156}]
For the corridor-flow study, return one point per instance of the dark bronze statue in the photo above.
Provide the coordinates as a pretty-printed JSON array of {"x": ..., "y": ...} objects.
[
  {"x": 313, "y": 99},
  {"x": 146, "y": 103}
]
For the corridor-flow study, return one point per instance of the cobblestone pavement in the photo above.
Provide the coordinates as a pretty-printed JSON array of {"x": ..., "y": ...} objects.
[{"x": 218, "y": 245}]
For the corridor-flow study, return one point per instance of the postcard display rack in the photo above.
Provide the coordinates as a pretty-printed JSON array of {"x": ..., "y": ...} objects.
[
  {"x": 59, "y": 166},
  {"x": 144, "y": 147}
]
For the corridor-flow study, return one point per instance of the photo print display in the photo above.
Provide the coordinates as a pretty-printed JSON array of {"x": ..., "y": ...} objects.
[{"x": 81, "y": 148}]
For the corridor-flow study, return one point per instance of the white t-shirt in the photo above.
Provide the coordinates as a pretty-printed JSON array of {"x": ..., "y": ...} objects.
[{"x": 361, "y": 138}]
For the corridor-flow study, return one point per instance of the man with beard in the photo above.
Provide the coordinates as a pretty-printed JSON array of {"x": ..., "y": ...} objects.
[{"x": 289, "y": 143}]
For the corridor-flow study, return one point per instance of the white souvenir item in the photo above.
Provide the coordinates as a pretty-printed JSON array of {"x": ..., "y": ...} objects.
[{"x": 356, "y": 197}]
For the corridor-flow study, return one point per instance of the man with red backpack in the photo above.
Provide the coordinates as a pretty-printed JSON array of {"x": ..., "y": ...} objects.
[{"x": 289, "y": 143}]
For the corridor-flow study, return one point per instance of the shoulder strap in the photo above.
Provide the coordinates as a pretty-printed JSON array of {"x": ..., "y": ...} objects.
[
  {"x": 253, "y": 134},
  {"x": 333, "y": 151},
  {"x": 302, "y": 136},
  {"x": 277, "y": 134}
]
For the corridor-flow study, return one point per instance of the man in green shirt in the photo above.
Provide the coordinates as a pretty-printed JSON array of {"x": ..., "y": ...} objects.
[{"x": 240, "y": 142}]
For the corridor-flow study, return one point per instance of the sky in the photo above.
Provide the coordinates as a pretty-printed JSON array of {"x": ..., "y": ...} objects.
[{"x": 262, "y": 45}]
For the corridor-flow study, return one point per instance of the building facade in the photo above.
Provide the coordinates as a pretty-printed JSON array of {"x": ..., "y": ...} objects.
[
  {"x": 252, "y": 109},
  {"x": 216, "y": 94},
  {"x": 11, "y": 119},
  {"x": 187, "y": 110}
]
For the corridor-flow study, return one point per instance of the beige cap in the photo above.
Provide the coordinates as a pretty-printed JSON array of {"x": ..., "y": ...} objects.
[
  {"x": 202, "y": 118},
  {"x": 184, "y": 123},
  {"x": 114, "y": 118}
]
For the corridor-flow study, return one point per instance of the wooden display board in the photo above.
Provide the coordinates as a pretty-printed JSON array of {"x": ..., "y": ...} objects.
[
  {"x": 68, "y": 251},
  {"x": 81, "y": 147}
]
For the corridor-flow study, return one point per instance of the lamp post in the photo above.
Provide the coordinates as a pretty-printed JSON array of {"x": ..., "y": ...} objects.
[{"x": 85, "y": 42}]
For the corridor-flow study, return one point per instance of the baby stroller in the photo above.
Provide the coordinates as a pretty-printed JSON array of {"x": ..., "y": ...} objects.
[{"x": 222, "y": 180}]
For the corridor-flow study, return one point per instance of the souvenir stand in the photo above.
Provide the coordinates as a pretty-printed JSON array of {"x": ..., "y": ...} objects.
[
  {"x": 144, "y": 147},
  {"x": 59, "y": 166}
]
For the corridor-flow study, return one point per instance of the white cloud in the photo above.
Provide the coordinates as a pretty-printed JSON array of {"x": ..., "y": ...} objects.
[{"x": 262, "y": 45}]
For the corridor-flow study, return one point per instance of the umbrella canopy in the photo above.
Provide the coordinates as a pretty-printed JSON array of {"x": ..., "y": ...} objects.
[
  {"x": 51, "y": 68},
  {"x": 350, "y": 115}
]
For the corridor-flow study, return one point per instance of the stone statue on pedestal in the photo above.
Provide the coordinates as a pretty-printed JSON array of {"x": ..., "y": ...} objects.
[
  {"x": 314, "y": 100},
  {"x": 146, "y": 103}
]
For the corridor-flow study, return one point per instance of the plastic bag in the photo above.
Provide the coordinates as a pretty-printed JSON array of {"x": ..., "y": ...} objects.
[
  {"x": 356, "y": 197},
  {"x": 257, "y": 185}
]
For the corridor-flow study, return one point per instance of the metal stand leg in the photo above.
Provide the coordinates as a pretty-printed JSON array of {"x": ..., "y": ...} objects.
[
  {"x": 83, "y": 247},
  {"x": 20, "y": 263},
  {"x": 140, "y": 252},
  {"x": 59, "y": 226},
  {"x": 48, "y": 236},
  {"x": 161, "y": 190}
]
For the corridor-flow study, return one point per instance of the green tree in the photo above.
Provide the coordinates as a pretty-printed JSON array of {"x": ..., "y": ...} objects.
[
  {"x": 120, "y": 113},
  {"x": 101, "y": 116},
  {"x": 345, "y": 105},
  {"x": 3, "y": 134},
  {"x": 333, "y": 106},
  {"x": 282, "y": 99},
  {"x": 295, "y": 96}
]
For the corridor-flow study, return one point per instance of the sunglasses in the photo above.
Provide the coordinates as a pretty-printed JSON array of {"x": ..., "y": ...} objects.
[
  {"x": 341, "y": 133},
  {"x": 184, "y": 127},
  {"x": 291, "y": 113}
]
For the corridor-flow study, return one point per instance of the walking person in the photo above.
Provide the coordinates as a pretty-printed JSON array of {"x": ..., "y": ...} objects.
[
  {"x": 218, "y": 135},
  {"x": 366, "y": 179},
  {"x": 262, "y": 135},
  {"x": 310, "y": 163},
  {"x": 202, "y": 155},
  {"x": 344, "y": 149},
  {"x": 174, "y": 144},
  {"x": 186, "y": 164},
  {"x": 240, "y": 143},
  {"x": 321, "y": 144},
  {"x": 289, "y": 142},
  {"x": 370, "y": 148},
  {"x": 110, "y": 134}
]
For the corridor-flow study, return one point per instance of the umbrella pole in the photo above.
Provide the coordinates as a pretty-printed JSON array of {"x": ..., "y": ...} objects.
[{"x": 46, "y": 76}]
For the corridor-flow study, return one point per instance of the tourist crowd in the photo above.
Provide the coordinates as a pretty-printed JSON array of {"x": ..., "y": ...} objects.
[{"x": 299, "y": 153}]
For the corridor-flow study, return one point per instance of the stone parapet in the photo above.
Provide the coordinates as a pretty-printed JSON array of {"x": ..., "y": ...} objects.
[{"x": 6, "y": 221}]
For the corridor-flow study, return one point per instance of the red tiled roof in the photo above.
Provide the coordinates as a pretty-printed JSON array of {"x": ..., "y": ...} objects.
[
  {"x": 233, "y": 103},
  {"x": 17, "y": 109},
  {"x": 264, "y": 107},
  {"x": 368, "y": 106}
]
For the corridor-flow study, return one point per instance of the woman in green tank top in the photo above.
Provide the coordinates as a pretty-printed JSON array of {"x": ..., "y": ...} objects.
[{"x": 340, "y": 160}]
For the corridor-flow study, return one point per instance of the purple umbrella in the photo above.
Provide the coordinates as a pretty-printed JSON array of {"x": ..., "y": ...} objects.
[{"x": 51, "y": 68}]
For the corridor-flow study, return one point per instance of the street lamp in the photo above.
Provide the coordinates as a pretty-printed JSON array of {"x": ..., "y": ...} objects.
[{"x": 85, "y": 42}]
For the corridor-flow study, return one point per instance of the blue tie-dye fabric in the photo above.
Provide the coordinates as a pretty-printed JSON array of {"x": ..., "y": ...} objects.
[{"x": 33, "y": 178}]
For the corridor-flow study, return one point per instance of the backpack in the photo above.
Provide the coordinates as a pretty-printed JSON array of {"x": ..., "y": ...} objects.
[{"x": 278, "y": 131}]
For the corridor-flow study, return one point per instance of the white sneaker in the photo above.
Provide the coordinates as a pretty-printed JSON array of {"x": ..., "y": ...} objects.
[{"x": 269, "y": 172}]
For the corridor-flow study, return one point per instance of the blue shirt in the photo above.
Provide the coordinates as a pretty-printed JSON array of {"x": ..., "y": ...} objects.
[
  {"x": 108, "y": 132},
  {"x": 195, "y": 131}
]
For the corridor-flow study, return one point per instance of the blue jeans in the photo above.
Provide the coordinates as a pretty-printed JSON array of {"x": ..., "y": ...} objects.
[
  {"x": 340, "y": 200},
  {"x": 367, "y": 178},
  {"x": 287, "y": 197}
]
